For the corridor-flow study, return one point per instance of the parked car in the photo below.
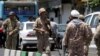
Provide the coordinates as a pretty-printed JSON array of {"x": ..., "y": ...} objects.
[
  {"x": 60, "y": 34},
  {"x": 28, "y": 37},
  {"x": 93, "y": 21}
]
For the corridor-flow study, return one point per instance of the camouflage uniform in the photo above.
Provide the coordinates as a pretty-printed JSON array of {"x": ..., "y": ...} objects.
[
  {"x": 43, "y": 37},
  {"x": 11, "y": 26},
  {"x": 87, "y": 40},
  {"x": 97, "y": 39},
  {"x": 75, "y": 37}
]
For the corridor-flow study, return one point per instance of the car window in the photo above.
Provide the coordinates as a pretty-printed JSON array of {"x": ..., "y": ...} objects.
[
  {"x": 87, "y": 19},
  {"x": 21, "y": 26},
  {"x": 61, "y": 28},
  {"x": 29, "y": 26},
  {"x": 95, "y": 21}
]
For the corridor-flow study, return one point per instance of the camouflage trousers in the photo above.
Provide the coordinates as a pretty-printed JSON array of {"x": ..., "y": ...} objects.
[
  {"x": 43, "y": 44},
  {"x": 11, "y": 42},
  {"x": 97, "y": 42},
  {"x": 86, "y": 50},
  {"x": 76, "y": 51}
]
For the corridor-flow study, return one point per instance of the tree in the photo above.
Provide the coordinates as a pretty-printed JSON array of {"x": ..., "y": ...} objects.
[{"x": 94, "y": 3}]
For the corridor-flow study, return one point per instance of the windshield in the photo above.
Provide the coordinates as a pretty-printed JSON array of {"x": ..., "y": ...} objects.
[
  {"x": 61, "y": 28},
  {"x": 21, "y": 26},
  {"x": 29, "y": 26},
  {"x": 87, "y": 19},
  {"x": 95, "y": 21}
]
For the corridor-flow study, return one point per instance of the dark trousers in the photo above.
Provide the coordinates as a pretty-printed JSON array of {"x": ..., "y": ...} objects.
[{"x": 1, "y": 39}]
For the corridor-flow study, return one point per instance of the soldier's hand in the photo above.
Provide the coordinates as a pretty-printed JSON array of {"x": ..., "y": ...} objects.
[
  {"x": 85, "y": 49},
  {"x": 10, "y": 33},
  {"x": 42, "y": 30}
]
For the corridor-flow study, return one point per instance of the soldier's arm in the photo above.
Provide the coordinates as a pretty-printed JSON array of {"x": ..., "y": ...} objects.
[
  {"x": 49, "y": 25},
  {"x": 97, "y": 34},
  {"x": 36, "y": 25},
  {"x": 66, "y": 35},
  {"x": 88, "y": 34},
  {"x": 16, "y": 28}
]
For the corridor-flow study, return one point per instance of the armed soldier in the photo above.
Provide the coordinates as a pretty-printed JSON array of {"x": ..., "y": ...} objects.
[
  {"x": 97, "y": 36},
  {"x": 89, "y": 36},
  {"x": 11, "y": 24},
  {"x": 76, "y": 35},
  {"x": 43, "y": 29}
]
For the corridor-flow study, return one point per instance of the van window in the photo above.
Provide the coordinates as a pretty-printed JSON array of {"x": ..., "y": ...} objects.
[
  {"x": 29, "y": 26},
  {"x": 95, "y": 21},
  {"x": 87, "y": 19},
  {"x": 61, "y": 28}
]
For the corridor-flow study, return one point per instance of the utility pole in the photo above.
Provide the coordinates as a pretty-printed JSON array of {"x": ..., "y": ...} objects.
[{"x": 87, "y": 8}]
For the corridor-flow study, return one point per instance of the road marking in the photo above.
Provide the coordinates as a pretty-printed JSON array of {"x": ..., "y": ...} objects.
[
  {"x": 12, "y": 52},
  {"x": 30, "y": 53},
  {"x": 23, "y": 53},
  {"x": 18, "y": 53},
  {"x": 38, "y": 54},
  {"x": 1, "y": 52},
  {"x": 6, "y": 52}
]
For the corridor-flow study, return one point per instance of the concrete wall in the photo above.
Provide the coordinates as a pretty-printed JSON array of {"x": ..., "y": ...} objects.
[
  {"x": 52, "y": 14},
  {"x": 65, "y": 12}
]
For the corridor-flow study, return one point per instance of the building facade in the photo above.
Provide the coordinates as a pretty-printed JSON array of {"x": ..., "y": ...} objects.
[{"x": 60, "y": 9}]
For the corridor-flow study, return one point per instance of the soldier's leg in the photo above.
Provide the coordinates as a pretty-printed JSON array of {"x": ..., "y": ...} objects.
[
  {"x": 14, "y": 42},
  {"x": 1, "y": 39},
  {"x": 40, "y": 45},
  {"x": 47, "y": 45},
  {"x": 71, "y": 53},
  {"x": 8, "y": 42},
  {"x": 81, "y": 53},
  {"x": 97, "y": 42},
  {"x": 86, "y": 49}
]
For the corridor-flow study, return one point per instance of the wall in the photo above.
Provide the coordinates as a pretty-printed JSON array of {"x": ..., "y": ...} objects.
[{"x": 65, "y": 12}]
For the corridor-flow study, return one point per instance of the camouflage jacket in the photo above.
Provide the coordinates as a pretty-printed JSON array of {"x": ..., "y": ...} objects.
[
  {"x": 45, "y": 24},
  {"x": 11, "y": 25},
  {"x": 77, "y": 34}
]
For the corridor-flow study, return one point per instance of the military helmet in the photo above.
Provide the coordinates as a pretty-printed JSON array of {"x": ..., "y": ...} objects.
[
  {"x": 42, "y": 10},
  {"x": 81, "y": 17}
]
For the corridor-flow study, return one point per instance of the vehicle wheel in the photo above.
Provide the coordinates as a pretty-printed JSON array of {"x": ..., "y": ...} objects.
[
  {"x": 23, "y": 47},
  {"x": 52, "y": 47}
]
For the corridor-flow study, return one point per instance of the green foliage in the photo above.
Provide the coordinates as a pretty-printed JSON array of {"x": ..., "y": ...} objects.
[{"x": 94, "y": 3}]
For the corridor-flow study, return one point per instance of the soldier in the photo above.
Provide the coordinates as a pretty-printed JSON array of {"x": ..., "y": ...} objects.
[
  {"x": 97, "y": 37},
  {"x": 54, "y": 31},
  {"x": 1, "y": 33},
  {"x": 88, "y": 40},
  {"x": 43, "y": 29},
  {"x": 12, "y": 27},
  {"x": 75, "y": 35}
]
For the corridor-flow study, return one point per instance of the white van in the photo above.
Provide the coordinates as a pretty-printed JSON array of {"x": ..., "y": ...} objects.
[{"x": 93, "y": 21}]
